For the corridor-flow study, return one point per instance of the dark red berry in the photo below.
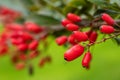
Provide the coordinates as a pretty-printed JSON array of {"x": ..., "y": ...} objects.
[
  {"x": 73, "y": 17},
  {"x": 22, "y": 57},
  {"x": 64, "y": 22},
  {"x": 42, "y": 62},
  {"x": 32, "y": 27},
  {"x": 61, "y": 40},
  {"x": 26, "y": 36},
  {"x": 34, "y": 54},
  {"x": 48, "y": 59},
  {"x": 80, "y": 36},
  {"x": 86, "y": 60},
  {"x": 33, "y": 45},
  {"x": 107, "y": 29},
  {"x": 22, "y": 47},
  {"x": 71, "y": 39},
  {"x": 17, "y": 41},
  {"x": 88, "y": 33},
  {"x": 20, "y": 65},
  {"x": 72, "y": 27},
  {"x": 93, "y": 37},
  {"x": 108, "y": 19},
  {"x": 74, "y": 52}
]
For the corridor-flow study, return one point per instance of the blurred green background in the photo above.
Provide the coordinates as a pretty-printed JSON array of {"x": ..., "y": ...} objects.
[{"x": 105, "y": 66}]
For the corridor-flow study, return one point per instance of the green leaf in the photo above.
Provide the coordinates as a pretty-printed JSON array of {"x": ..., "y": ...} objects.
[
  {"x": 117, "y": 40},
  {"x": 99, "y": 2},
  {"x": 111, "y": 12},
  {"x": 44, "y": 20},
  {"x": 77, "y": 6}
]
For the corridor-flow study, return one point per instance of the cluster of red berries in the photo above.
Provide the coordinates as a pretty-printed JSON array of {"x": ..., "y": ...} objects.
[
  {"x": 8, "y": 15},
  {"x": 77, "y": 37},
  {"x": 24, "y": 42}
]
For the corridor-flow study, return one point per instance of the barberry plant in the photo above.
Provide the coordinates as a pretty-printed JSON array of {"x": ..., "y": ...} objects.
[
  {"x": 81, "y": 40},
  {"x": 76, "y": 24}
]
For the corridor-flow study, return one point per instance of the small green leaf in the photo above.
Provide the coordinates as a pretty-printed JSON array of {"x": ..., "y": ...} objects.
[
  {"x": 117, "y": 40},
  {"x": 111, "y": 12},
  {"x": 99, "y": 2},
  {"x": 44, "y": 20}
]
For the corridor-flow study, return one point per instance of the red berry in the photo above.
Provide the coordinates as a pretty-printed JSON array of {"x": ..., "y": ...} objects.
[
  {"x": 15, "y": 26},
  {"x": 73, "y": 17},
  {"x": 33, "y": 45},
  {"x": 5, "y": 11},
  {"x": 20, "y": 65},
  {"x": 26, "y": 36},
  {"x": 14, "y": 35},
  {"x": 34, "y": 54},
  {"x": 86, "y": 60},
  {"x": 14, "y": 59},
  {"x": 72, "y": 27},
  {"x": 108, "y": 19},
  {"x": 64, "y": 22},
  {"x": 48, "y": 59},
  {"x": 22, "y": 47},
  {"x": 74, "y": 52},
  {"x": 93, "y": 37},
  {"x": 61, "y": 40},
  {"x": 32, "y": 27},
  {"x": 17, "y": 41},
  {"x": 23, "y": 56},
  {"x": 88, "y": 33},
  {"x": 80, "y": 36},
  {"x": 3, "y": 50},
  {"x": 42, "y": 62},
  {"x": 71, "y": 39},
  {"x": 107, "y": 29}
]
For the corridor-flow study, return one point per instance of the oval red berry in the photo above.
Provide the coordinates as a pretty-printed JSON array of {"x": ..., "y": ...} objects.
[
  {"x": 74, "y": 52},
  {"x": 73, "y": 17},
  {"x": 80, "y": 36},
  {"x": 107, "y": 29},
  {"x": 72, "y": 27},
  {"x": 86, "y": 59},
  {"x": 108, "y": 19},
  {"x": 61, "y": 40}
]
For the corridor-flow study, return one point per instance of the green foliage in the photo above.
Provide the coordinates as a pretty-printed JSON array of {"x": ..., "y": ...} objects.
[{"x": 44, "y": 20}]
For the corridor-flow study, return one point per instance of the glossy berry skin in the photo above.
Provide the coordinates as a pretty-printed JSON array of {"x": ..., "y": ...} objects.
[
  {"x": 71, "y": 39},
  {"x": 61, "y": 40},
  {"x": 64, "y": 22},
  {"x": 73, "y": 17},
  {"x": 17, "y": 41},
  {"x": 93, "y": 37},
  {"x": 74, "y": 52},
  {"x": 32, "y": 27},
  {"x": 33, "y": 45},
  {"x": 22, "y": 47},
  {"x": 26, "y": 36},
  {"x": 108, "y": 19},
  {"x": 86, "y": 60},
  {"x": 80, "y": 36},
  {"x": 72, "y": 27},
  {"x": 107, "y": 29}
]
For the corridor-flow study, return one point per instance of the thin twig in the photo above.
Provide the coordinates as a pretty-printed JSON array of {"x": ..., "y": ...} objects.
[{"x": 103, "y": 40}]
